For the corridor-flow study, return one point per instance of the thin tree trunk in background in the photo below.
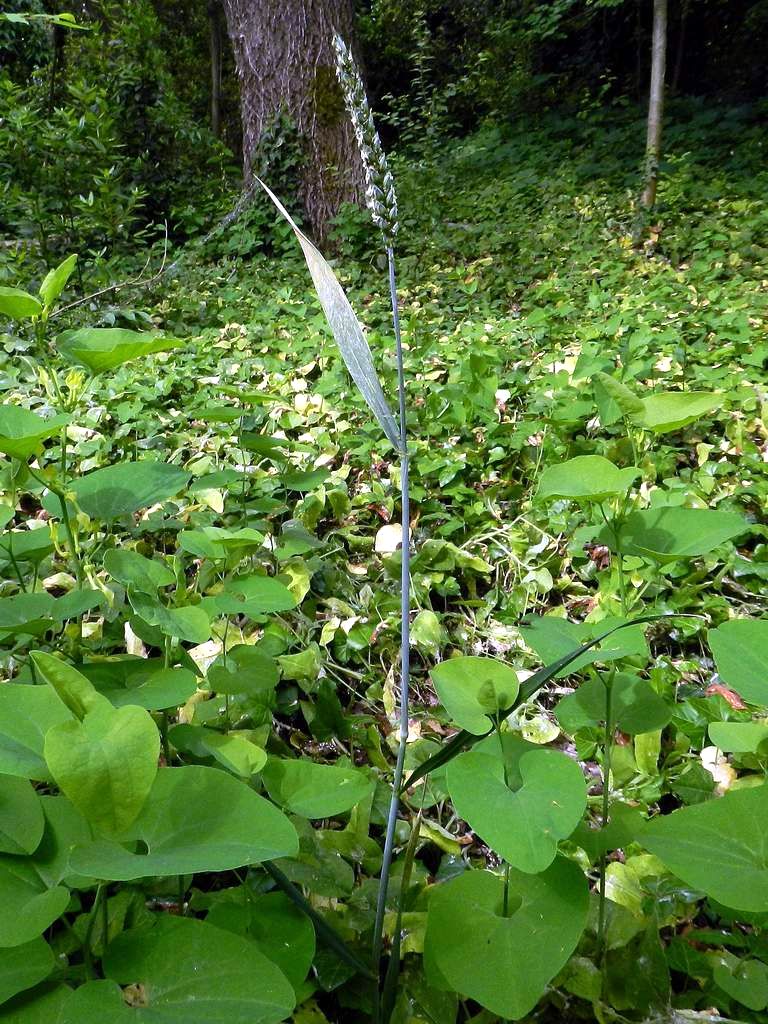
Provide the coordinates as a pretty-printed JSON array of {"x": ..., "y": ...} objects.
[
  {"x": 285, "y": 64},
  {"x": 680, "y": 46},
  {"x": 57, "y": 64},
  {"x": 655, "y": 103},
  {"x": 214, "y": 23}
]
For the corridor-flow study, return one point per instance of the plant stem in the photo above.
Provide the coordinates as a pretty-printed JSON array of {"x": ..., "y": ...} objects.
[
  {"x": 607, "y": 751},
  {"x": 165, "y": 720},
  {"x": 405, "y": 639}
]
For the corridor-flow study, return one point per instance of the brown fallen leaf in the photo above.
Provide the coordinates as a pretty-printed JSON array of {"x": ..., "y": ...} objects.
[{"x": 717, "y": 689}]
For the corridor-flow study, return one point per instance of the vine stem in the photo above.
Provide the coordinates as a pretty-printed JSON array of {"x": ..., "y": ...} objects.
[{"x": 405, "y": 637}]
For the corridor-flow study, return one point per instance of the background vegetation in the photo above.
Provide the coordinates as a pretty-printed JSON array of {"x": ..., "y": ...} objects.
[{"x": 225, "y": 604}]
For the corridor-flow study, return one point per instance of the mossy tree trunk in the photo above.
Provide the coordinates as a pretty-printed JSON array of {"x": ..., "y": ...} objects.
[{"x": 284, "y": 60}]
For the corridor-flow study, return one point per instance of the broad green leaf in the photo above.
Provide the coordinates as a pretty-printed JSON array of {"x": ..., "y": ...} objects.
[
  {"x": 672, "y": 410},
  {"x": 27, "y": 905},
  {"x": 628, "y": 402},
  {"x": 26, "y": 545},
  {"x": 55, "y": 280},
  {"x": 244, "y": 670},
  {"x": 195, "y": 819},
  {"x": 215, "y": 542},
  {"x": 504, "y": 962},
  {"x": 586, "y": 478},
  {"x": 251, "y": 595},
  {"x": 72, "y": 687},
  {"x": 427, "y": 634},
  {"x": 42, "y": 1005},
  {"x": 24, "y": 966},
  {"x": 64, "y": 828},
  {"x": 552, "y": 637},
  {"x": 279, "y": 929},
  {"x": 529, "y": 687},
  {"x": 27, "y": 613},
  {"x": 232, "y": 750},
  {"x": 740, "y": 650},
  {"x": 22, "y": 432},
  {"x": 635, "y": 706},
  {"x": 345, "y": 327},
  {"x": 262, "y": 594},
  {"x": 718, "y": 847},
  {"x": 21, "y": 816},
  {"x": 104, "y": 348},
  {"x": 739, "y": 737},
  {"x": 313, "y": 790},
  {"x": 746, "y": 981},
  {"x": 124, "y": 488},
  {"x": 149, "y": 685},
  {"x": 522, "y": 825},
  {"x": 26, "y": 715},
  {"x": 132, "y": 569},
  {"x": 671, "y": 532},
  {"x": 18, "y": 304},
  {"x": 472, "y": 689},
  {"x": 194, "y": 973},
  {"x": 190, "y": 623},
  {"x": 106, "y": 763}
]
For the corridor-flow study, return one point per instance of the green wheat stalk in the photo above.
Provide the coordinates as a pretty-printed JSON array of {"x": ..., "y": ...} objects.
[{"x": 381, "y": 201}]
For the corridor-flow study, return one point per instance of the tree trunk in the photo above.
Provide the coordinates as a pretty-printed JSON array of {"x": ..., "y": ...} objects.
[
  {"x": 680, "y": 47},
  {"x": 285, "y": 63},
  {"x": 655, "y": 103},
  {"x": 214, "y": 23}
]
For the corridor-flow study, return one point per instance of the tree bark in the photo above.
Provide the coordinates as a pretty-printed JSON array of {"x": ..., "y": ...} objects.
[
  {"x": 655, "y": 103},
  {"x": 285, "y": 63},
  {"x": 214, "y": 24}
]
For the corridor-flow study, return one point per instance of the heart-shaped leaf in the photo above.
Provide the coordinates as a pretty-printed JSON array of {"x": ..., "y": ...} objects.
[
  {"x": 504, "y": 962},
  {"x": 21, "y": 816},
  {"x": 195, "y": 819},
  {"x": 740, "y": 650},
  {"x": 635, "y": 706},
  {"x": 524, "y": 825},
  {"x": 22, "y": 432},
  {"x": 106, "y": 763},
  {"x": 314, "y": 790},
  {"x": 251, "y": 595},
  {"x": 191, "y": 972},
  {"x": 718, "y": 847},
  {"x": 104, "y": 348},
  {"x": 586, "y": 478},
  {"x": 124, "y": 488},
  {"x": 472, "y": 689}
]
